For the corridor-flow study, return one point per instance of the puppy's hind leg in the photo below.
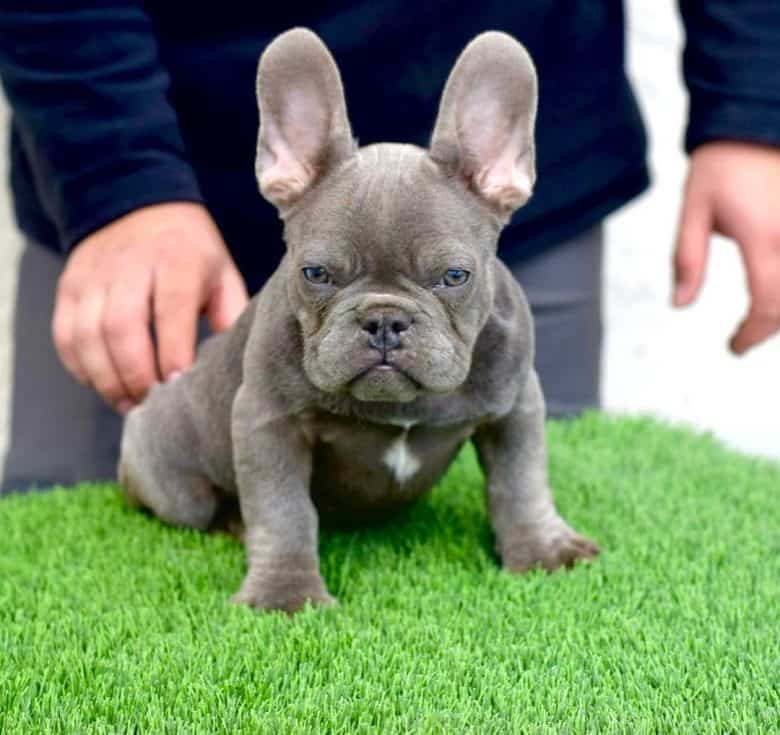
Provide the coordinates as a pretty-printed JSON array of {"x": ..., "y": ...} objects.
[
  {"x": 181, "y": 499},
  {"x": 177, "y": 493}
]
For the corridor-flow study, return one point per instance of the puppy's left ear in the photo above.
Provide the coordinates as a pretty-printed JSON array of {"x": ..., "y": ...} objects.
[
  {"x": 484, "y": 132},
  {"x": 304, "y": 129}
]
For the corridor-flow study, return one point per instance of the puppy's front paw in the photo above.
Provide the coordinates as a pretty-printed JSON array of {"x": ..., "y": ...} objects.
[
  {"x": 288, "y": 593},
  {"x": 549, "y": 545}
]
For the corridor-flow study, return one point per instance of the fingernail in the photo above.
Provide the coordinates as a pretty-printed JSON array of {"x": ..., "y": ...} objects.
[
  {"x": 737, "y": 348},
  {"x": 124, "y": 406},
  {"x": 681, "y": 297},
  {"x": 175, "y": 375}
]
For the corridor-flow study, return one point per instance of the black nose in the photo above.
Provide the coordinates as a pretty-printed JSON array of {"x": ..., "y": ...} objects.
[{"x": 384, "y": 330}]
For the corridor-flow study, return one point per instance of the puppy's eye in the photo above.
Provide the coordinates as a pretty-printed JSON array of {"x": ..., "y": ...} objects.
[
  {"x": 454, "y": 277},
  {"x": 316, "y": 274}
]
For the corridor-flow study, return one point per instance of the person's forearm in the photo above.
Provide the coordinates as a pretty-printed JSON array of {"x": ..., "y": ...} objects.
[
  {"x": 89, "y": 100},
  {"x": 731, "y": 66}
]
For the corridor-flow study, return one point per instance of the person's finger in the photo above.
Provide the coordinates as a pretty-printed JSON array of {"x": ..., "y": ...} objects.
[
  {"x": 762, "y": 263},
  {"x": 177, "y": 302},
  {"x": 227, "y": 300},
  {"x": 692, "y": 247},
  {"x": 126, "y": 333},
  {"x": 62, "y": 329},
  {"x": 754, "y": 329},
  {"x": 91, "y": 349}
]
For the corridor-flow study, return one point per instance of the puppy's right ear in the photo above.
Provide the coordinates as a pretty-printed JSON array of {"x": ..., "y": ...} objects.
[{"x": 304, "y": 129}]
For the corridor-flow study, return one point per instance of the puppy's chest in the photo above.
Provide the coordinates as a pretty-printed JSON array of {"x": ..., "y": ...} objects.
[{"x": 361, "y": 467}]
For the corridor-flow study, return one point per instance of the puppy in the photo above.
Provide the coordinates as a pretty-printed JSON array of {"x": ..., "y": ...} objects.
[{"x": 389, "y": 335}]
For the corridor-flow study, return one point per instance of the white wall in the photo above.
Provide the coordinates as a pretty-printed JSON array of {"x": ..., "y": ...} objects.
[{"x": 10, "y": 242}]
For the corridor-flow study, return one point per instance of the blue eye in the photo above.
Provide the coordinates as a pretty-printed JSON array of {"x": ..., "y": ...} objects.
[
  {"x": 455, "y": 277},
  {"x": 316, "y": 274}
]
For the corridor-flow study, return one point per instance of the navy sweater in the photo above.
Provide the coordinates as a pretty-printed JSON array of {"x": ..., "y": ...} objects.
[{"x": 124, "y": 103}]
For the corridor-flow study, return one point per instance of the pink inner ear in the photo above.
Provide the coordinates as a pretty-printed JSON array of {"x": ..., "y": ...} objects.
[
  {"x": 285, "y": 179},
  {"x": 493, "y": 149},
  {"x": 290, "y": 155},
  {"x": 306, "y": 121},
  {"x": 503, "y": 182}
]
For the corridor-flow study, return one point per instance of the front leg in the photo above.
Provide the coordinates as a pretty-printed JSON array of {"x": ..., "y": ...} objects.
[
  {"x": 529, "y": 531},
  {"x": 273, "y": 470}
]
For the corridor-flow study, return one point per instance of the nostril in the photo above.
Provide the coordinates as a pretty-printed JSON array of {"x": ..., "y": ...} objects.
[
  {"x": 399, "y": 326},
  {"x": 371, "y": 326}
]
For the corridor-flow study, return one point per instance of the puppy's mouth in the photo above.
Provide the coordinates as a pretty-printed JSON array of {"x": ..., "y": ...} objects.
[
  {"x": 383, "y": 365},
  {"x": 384, "y": 381}
]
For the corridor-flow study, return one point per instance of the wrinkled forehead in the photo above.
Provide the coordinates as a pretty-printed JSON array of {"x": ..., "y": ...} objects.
[{"x": 389, "y": 196}]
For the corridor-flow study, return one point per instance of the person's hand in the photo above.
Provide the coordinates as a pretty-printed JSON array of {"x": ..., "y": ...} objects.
[
  {"x": 159, "y": 266},
  {"x": 734, "y": 189}
]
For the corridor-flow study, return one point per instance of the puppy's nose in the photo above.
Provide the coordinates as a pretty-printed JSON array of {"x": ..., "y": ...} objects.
[{"x": 384, "y": 329}]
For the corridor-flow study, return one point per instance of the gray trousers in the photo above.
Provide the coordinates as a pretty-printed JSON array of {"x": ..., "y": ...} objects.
[{"x": 62, "y": 433}]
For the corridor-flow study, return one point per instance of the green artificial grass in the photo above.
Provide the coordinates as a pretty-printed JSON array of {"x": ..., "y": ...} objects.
[{"x": 113, "y": 623}]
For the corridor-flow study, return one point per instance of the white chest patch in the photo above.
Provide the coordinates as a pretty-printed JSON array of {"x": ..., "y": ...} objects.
[{"x": 400, "y": 460}]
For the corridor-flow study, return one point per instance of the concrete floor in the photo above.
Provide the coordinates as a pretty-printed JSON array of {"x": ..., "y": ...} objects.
[{"x": 657, "y": 361}]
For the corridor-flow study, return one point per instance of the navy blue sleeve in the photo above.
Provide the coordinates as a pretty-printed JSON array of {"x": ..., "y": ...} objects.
[
  {"x": 731, "y": 66},
  {"x": 89, "y": 102}
]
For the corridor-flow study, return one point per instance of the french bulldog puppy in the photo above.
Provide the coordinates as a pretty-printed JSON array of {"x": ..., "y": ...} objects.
[{"x": 389, "y": 335}]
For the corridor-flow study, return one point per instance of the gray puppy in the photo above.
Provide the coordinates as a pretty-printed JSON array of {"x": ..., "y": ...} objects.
[{"x": 388, "y": 336}]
